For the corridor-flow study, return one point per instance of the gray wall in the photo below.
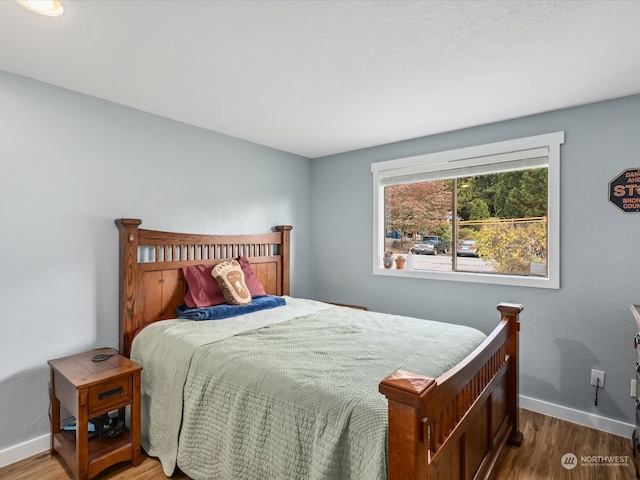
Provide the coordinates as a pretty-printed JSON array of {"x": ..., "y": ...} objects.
[
  {"x": 69, "y": 165},
  {"x": 565, "y": 333}
]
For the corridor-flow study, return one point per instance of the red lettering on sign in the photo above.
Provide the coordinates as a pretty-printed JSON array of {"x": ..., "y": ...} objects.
[
  {"x": 632, "y": 187},
  {"x": 618, "y": 190}
]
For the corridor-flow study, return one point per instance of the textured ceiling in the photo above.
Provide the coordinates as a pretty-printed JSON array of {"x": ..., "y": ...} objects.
[{"x": 323, "y": 77}]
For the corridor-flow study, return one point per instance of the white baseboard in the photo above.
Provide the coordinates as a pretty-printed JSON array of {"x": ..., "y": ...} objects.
[
  {"x": 24, "y": 450},
  {"x": 38, "y": 445},
  {"x": 603, "y": 424}
]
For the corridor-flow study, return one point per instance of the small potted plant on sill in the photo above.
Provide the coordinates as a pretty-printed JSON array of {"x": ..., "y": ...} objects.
[
  {"x": 387, "y": 261},
  {"x": 400, "y": 262}
]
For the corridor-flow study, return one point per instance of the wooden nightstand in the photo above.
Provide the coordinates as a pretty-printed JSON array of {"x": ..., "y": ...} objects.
[{"x": 88, "y": 389}]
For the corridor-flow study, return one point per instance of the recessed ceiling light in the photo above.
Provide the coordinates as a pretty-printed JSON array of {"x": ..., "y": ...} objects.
[{"x": 51, "y": 8}]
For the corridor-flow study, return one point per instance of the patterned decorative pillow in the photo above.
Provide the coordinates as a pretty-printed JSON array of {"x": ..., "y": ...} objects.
[
  {"x": 230, "y": 279},
  {"x": 250, "y": 278}
]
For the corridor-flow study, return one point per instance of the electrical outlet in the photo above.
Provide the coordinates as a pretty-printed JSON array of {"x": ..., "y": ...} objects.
[{"x": 597, "y": 375}]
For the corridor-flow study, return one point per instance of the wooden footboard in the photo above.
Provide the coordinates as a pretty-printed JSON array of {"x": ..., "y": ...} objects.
[{"x": 456, "y": 426}]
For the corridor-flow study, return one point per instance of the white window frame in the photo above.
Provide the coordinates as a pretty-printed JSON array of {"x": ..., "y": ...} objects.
[{"x": 476, "y": 155}]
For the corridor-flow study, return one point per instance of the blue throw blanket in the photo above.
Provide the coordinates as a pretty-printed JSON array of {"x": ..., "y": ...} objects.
[{"x": 218, "y": 312}]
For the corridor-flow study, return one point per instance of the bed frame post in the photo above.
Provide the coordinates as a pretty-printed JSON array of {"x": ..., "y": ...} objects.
[
  {"x": 285, "y": 252},
  {"x": 128, "y": 277},
  {"x": 437, "y": 426},
  {"x": 407, "y": 446},
  {"x": 510, "y": 313}
]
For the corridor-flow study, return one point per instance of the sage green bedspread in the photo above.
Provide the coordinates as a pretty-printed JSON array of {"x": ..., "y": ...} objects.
[{"x": 286, "y": 395}]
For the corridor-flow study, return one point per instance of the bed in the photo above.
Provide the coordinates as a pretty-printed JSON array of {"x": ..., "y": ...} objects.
[{"x": 451, "y": 425}]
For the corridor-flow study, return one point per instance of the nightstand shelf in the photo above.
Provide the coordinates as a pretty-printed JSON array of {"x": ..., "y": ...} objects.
[
  {"x": 101, "y": 452},
  {"x": 89, "y": 389}
]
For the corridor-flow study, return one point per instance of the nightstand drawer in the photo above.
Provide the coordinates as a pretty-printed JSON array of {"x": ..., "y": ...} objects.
[{"x": 112, "y": 393}]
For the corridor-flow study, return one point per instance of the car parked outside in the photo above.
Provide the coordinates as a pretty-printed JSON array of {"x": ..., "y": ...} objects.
[
  {"x": 425, "y": 248},
  {"x": 467, "y": 248},
  {"x": 440, "y": 244}
]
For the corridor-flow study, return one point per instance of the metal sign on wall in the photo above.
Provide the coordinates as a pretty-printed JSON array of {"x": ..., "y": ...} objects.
[{"x": 624, "y": 191}]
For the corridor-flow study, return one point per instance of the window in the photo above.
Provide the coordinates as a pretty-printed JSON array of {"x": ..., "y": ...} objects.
[{"x": 488, "y": 213}]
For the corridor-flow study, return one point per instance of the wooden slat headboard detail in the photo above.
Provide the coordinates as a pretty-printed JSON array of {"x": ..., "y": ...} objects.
[{"x": 151, "y": 283}]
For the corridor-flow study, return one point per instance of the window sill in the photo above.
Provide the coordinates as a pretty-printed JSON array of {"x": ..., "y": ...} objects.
[{"x": 472, "y": 277}]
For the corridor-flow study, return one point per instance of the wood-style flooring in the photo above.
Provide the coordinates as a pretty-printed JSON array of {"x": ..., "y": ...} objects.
[{"x": 546, "y": 441}]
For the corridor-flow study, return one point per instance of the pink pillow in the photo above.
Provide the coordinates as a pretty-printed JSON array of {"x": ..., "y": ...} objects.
[
  {"x": 201, "y": 289},
  {"x": 251, "y": 280}
]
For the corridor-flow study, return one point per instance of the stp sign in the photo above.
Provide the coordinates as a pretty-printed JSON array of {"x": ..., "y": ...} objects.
[{"x": 624, "y": 191}]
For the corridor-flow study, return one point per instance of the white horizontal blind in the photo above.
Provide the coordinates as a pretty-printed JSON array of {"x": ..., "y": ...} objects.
[{"x": 468, "y": 167}]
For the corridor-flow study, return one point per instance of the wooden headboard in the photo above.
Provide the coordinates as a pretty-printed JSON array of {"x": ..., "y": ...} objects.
[{"x": 151, "y": 282}]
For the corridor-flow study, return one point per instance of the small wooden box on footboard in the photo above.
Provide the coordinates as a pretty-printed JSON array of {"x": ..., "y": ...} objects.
[{"x": 89, "y": 389}]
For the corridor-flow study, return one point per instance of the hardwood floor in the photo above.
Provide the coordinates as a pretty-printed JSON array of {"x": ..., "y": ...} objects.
[
  {"x": 45, "y": 467},
  {"x": 546, "y": 440}
]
